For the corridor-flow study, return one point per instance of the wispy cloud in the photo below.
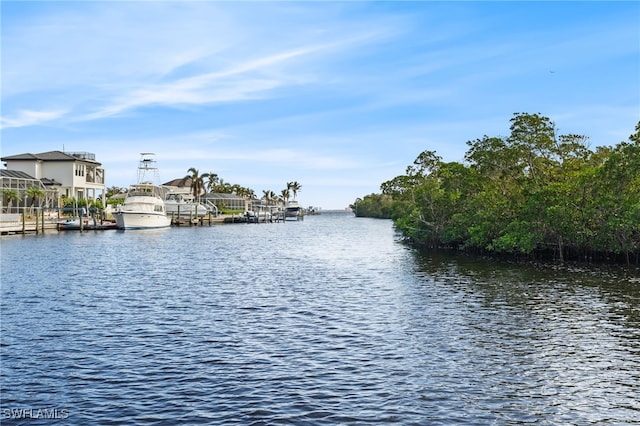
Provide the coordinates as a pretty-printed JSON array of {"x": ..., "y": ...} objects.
[
  {"x": 319, "y": 92},
  {"x": 251, "y": 78},
  {"x": 228, "y": 85},
  {"x": 112, "y": 65},
  {"x": 30, "y": 118}
]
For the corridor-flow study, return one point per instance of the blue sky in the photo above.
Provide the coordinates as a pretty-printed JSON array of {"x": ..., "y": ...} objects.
[{"x": 339, "y": 96}]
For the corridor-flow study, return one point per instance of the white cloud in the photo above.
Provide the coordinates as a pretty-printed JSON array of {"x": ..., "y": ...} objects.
[
  {"x": 196, "y": 54},
  {"x": 213, "y": 87},
  {"x": 309, "y": 91},
  {"x": 30, "y": 118}
]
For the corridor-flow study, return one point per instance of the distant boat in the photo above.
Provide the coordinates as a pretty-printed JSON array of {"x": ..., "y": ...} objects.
[
  {"x": 70, "y": 223},
  {"x": 293, "y": 210},
  {"x": 182, "y": 204},
  {"x": 143, "y": 205},
  {"x": 75, "y": 224},
  {"x": 259, "y": 216}
]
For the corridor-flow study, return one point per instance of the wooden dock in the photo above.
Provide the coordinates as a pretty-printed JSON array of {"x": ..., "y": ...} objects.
[
  {"x": 17, "y": 224},
  {"x": 11, "y": 224}
]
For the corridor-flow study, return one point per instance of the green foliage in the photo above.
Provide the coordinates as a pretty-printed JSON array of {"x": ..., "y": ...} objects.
[
  {"x": 231, "y": 211},
  {"x": 114, "y": 190},
  {"x": 10, "y": 195},
  {"x": 71, "y": 203},
  {"x": 197, "y": 181},
  {"x": 517, "y": 237},
  {"x": 373, "y": 205},
  {"x": 114, "y": 201},
  {"x": 529, "y": 193},
  {"x": 216, "y": 184},
  {"x": 294, "y": 187},
  {"x": 35, "y": 193}
]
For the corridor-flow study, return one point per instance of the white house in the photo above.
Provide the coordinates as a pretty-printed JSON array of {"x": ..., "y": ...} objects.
[{"x": 76, "y": 174}]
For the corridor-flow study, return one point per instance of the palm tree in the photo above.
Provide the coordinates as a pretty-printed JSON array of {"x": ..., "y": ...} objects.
[
  {"x": 241, "y": 191},
  {"x": 285, "y": 194},
  {"x": 295, "y": 187},
  {"x": 197, "y": 181},
  {"x": 268, "y": 196},
  {"x": 9, "y": 195},
  {"x": 222, "y": 187},
  {"x": 226, "y": 188},
  {"x": 36, "y": 193},
  {"x": 236, "y": 189},
  {"x": 213, "y": 181}
]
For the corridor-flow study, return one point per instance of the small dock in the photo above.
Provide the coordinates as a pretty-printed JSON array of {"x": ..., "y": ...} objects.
[
  {"x": 208, "y": 219},
  {"x": 15, "y": 224},
  {"x": 275, "y": 217},
  {"x": 87, "y": 225}
]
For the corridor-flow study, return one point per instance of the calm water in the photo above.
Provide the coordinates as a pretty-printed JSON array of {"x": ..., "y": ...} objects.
[{"x": 326, "y": 321}]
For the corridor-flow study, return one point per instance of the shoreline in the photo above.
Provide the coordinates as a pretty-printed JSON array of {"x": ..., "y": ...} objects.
[{"x": 31, "y": 226}]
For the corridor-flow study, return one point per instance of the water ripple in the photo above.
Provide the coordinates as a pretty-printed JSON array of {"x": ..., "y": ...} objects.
[{"x": 326, "y": 321}]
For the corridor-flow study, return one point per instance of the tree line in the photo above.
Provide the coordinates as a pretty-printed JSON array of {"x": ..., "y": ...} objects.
[
  {"x": 215, "y": 184},
  {"x": 202, "y": 183},
  {"x": 533, "y": 193}
]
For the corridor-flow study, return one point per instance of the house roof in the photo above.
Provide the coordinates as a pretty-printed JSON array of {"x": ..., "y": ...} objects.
[
  {"x": 15, "y": 174},
  {"x": 52, "y": 156},
  {"x": 179, "y": 183},
  {"x": 50, "y": 182}
]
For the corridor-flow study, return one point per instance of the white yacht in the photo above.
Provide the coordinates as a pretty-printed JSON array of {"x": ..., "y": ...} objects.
[
  {"x": 293, "y": 210},
  {"x": 143, "y": 206},
  {"x": 181, "y": 203}
]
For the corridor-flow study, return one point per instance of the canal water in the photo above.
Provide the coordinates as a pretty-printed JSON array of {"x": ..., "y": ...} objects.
[{"x": 330, "y": 320}]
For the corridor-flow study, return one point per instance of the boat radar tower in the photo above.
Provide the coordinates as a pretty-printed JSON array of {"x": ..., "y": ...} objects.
[{"x": 147, "y": 170}]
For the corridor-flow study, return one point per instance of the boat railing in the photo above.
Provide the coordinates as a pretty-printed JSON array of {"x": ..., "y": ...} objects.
[
  {"x": 146, "y": 189},
  {"x": 212, "y": 207}
]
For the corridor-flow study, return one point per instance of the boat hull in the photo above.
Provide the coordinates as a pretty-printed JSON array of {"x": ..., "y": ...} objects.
[
  {"x": 186, "y": 210},
  {"x": 293, "y": 210},
  {"x": 141, "y": 220}
]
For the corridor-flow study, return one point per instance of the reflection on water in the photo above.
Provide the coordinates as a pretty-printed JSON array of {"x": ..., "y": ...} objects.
[
  {"x": 561, "y": 342},
  {"x": 326, "y": 321}
]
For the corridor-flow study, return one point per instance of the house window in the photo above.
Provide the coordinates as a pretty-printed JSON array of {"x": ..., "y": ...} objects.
[{"x": 91, "y": 174}]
